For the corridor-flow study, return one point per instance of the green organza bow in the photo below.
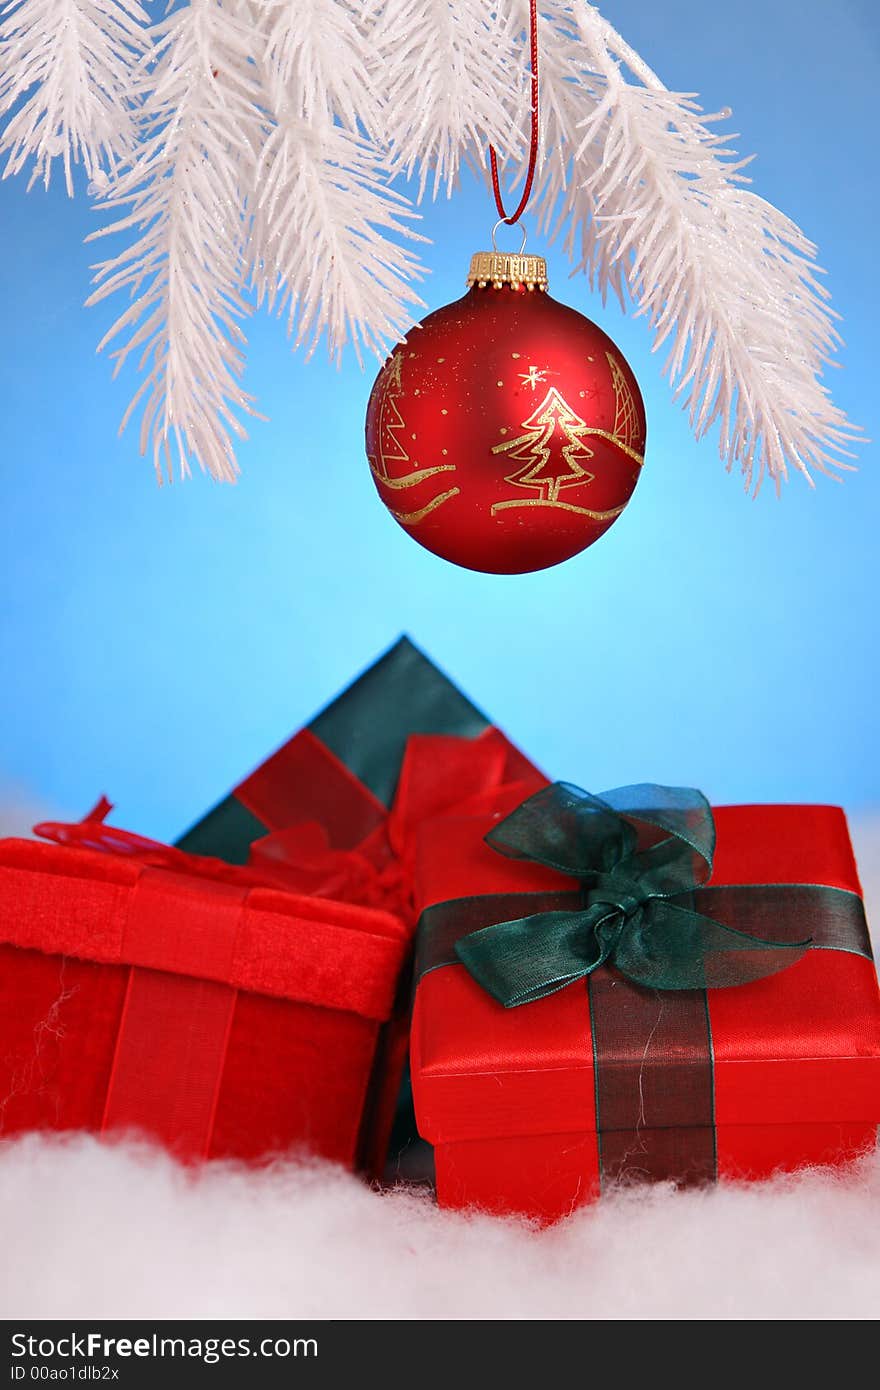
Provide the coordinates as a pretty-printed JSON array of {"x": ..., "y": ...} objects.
[{"x": 642, "y": 855}]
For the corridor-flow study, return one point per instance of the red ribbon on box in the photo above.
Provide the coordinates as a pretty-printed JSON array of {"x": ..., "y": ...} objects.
[{"x": 441, "y": 775}]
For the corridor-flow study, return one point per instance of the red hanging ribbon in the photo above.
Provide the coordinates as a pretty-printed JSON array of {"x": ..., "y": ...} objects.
[{"x": 533, "y": 146}]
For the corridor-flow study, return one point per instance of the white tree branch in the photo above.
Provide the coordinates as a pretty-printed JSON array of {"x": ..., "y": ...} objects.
[
  {"x": 320, "y": 250},
  {"x": 72, "y": 61},
  {"x": 184, "y": 195},
  {"x": 250, "y": 144}
]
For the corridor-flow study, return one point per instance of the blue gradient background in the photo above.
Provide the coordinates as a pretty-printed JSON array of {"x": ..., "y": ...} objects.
[{"x": 157, "y": 643}]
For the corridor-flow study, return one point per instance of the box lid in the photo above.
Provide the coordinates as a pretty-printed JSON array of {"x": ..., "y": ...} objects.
[{"x": 114, "y": 910}]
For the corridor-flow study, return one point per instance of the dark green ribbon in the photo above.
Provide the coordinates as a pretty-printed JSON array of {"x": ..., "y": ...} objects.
[{"x": 643, "y": 855}]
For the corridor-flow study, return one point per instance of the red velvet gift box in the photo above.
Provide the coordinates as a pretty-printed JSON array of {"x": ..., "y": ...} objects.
[
  {"x": 535, "y": 1109},
  {"x": 223, "y": 1019},
  {"x": 248, "y": 990}
]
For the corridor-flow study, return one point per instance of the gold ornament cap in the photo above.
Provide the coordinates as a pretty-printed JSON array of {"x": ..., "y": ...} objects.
[{"x": 494, "y": 269}]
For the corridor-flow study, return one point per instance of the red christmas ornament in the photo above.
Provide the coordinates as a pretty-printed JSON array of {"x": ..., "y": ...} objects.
[{"x": 507, "y": 432}]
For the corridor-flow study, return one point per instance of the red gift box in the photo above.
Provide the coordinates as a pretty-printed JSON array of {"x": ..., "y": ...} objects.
[
  {"x": 786, "y": 1073},
  {"x": 204, "y": 1003},
  {"x": 224, "y": 1019}
]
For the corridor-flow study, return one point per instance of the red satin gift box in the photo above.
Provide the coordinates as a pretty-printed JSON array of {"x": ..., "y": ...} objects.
[
  {"x": 223, "y": 1019},
  {"x": 509, "y": 1097}
]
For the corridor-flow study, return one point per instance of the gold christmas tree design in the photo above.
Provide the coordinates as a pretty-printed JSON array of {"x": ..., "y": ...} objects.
[
  {"x": 626, "y": 420},
  {"x": 391, "y": 450},
  {"x": 552, "y": 451},
  {"x": 392, "y": 455}
]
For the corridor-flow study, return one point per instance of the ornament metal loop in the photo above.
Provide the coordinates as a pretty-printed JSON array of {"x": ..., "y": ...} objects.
[{"x": 502, "y": 221}]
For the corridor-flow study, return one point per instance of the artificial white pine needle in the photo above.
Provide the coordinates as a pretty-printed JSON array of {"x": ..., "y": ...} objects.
[
  {"x": 72, "y": 61},
  {"x": 319, "y": 52},
  {"x": 318, "y": 250},
  {"x": 319, "y": 255},
  {"x": 447, "y": 70},
  {"x": 184, "y": 195}
]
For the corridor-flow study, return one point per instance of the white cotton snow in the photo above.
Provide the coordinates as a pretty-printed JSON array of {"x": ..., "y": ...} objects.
[{"x": 93, "y": 1231}]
